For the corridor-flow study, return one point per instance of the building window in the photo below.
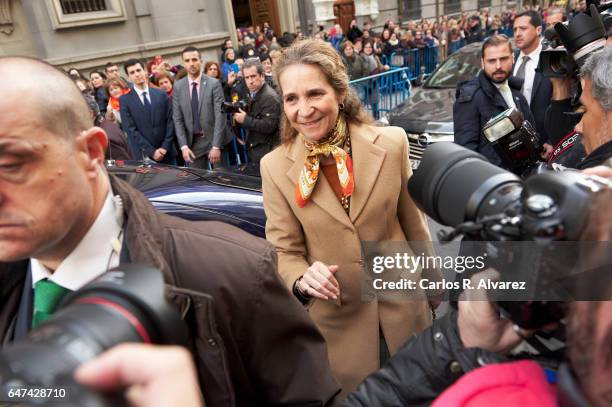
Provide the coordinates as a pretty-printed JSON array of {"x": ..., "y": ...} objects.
[
  {"x": 75, "y": 13},
  {"x": 452, "y": 6},
  {"x": 483, "y": 3},
  {"x": 82, "y": 6},
  {"x": 410, "y": 9}
]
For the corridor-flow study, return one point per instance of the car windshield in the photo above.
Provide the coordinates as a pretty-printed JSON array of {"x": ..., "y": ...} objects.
[{"x": 462, "y": 66}]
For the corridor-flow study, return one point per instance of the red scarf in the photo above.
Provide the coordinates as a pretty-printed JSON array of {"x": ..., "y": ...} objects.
[{"x": 114, "y": 102}]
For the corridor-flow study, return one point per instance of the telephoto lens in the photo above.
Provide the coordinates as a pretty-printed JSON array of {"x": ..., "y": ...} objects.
[
  {"x": 126, "y": 304},
  {"x": 454, "y": 185}
]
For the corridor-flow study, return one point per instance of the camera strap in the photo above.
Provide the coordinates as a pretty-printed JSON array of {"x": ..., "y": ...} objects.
[{"x": 124, "y": 256}]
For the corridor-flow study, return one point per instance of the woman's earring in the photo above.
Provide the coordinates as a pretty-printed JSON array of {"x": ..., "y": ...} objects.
[{"x": 341, "y": 106}]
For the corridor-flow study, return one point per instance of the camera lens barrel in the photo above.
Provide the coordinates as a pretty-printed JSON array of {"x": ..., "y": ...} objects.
[{"x": 452, "y": 183}]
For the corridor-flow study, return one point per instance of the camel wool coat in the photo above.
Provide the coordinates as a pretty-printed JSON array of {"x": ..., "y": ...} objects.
[{"x": 381, "y": 210}]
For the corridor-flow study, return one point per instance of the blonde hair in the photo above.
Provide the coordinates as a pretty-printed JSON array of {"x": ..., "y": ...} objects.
[{"x": 323, "y": 56}]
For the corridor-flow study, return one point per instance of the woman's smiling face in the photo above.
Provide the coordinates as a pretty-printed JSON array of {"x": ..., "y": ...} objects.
[{"x": 309, "y": 101}]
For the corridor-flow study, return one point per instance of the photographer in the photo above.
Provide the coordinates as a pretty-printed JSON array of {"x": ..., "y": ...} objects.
[
  {"x": 491, "y": 92},
  {"x": 262, "y": 119},
  {"x": 596, "y": 99}
]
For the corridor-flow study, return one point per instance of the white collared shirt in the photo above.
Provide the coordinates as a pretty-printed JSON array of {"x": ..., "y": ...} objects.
[
  {"x": 504, "y": 90},
  {"x": 197, "y": 81},
  {"x": 92, "y": 256},
  {"x": 532, "y": 64},
  {"x": 140, "y": 93}
]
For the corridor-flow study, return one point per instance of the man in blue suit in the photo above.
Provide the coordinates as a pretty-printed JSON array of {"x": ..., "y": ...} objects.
[
  {"x": 536, "y": 88},
  {"x": 146, "y": 114}
]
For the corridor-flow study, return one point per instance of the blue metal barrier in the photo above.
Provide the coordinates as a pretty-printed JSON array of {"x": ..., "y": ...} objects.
[
  {"x": 454, "y": 46},
  {"x": 381, "y": 93},
  {"x": 416, "y": 59}
]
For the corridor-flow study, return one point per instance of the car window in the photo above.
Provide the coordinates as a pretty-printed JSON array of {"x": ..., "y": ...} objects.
[{"x": 459, "y": 67}]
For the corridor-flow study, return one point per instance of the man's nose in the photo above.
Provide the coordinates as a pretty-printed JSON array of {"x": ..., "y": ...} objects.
[
  {"x": 578, "y": 127},
  {"x": 304, "y": 108}
]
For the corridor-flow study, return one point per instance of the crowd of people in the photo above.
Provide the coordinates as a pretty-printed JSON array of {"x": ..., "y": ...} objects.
[
  {"x": 364, "y": 50},
  {"x": 282, "y": 321}
]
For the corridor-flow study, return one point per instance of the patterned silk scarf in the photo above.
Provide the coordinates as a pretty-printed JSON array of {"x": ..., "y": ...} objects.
[{"x": 310, "y": 172}]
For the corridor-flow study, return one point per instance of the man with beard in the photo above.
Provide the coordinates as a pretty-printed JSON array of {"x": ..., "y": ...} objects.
[{"x": 485, "y": 96}]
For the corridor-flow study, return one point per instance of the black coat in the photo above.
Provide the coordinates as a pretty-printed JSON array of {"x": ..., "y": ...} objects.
[
  {"x": 477, "y": 101},
  {"x": 263, "y": 118},
  {"x": 430, "y": 362},
  {"x": 600, "y": 156}
]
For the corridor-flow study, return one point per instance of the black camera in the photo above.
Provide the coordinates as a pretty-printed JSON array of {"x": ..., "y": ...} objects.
[
  {"x": 126, "y": 304},
  {"x": 514, "y": 140},
  {"x": 458, "y": 187},
  {"x": 568, "y": 45},
  {"x": 232, "y": 107}
]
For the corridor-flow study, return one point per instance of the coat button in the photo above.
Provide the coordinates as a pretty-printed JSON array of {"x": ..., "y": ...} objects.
[
  {"x": 212, "y": 342},
  {"x": 455, "y": 367},
  {"x": 438, "y": 336}
]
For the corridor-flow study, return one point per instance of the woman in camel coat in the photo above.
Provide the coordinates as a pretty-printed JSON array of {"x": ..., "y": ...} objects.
[{"x": 336, "y": 181}]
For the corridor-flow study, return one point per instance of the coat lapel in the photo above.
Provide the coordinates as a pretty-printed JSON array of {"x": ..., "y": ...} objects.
[
  {"x": 323, "y": 195},
  {"x": 368, "y": 159},
  {"x": 536, "y": 82},
  {"x": 186, "y": 103},
  {"x": 203, "y": 82}
]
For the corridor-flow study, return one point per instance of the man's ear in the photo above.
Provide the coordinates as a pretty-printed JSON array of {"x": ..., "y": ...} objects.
[{"x": 92, "y": 144}]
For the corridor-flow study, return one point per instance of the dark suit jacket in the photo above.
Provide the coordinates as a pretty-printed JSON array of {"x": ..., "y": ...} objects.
[
  {"x": 477, "y": 101},
  {"x": 540, "y": 100},
  {"x": 147, "y": 134}
]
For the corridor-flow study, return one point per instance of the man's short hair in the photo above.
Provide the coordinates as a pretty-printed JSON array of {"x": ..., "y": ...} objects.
[
  {"x": 251, "y": 62},
  {"x": 534, "y": 17},
  {"x": 109, "y": 65},
  {"x": 558, "y": 10},
  {"x": 598, "y": 69},
  {"x": 494, "y": 41},
  {"x": 132, "y": 62},
  {"x": 193, "y": 49}
]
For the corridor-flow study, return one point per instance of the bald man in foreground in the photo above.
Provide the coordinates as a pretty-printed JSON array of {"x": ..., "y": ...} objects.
[{"x": 61, "y": 226}]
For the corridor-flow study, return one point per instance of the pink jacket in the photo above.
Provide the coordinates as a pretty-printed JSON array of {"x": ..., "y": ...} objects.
[{"x": 501, "y": 385}]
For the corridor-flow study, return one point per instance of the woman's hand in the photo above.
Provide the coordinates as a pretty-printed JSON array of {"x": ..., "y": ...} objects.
[{"x": 318, "y": 281}]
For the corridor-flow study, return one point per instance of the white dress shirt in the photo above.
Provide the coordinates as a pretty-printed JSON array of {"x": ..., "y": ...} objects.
[
  {"x": 92, "y": 257},
  {"x": 140, "y": 93},
  {"x": 506, "y": 93},
  {"x": 532, "y": 64}
]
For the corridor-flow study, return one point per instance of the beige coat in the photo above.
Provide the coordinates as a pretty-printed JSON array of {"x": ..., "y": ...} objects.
[{"x": 381, "y": 210}]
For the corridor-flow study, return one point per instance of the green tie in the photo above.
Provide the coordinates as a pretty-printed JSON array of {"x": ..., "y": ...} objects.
[{"x": 47, "y": 295}]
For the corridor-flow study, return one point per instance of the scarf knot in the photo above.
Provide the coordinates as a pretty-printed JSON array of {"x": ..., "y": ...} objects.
[{"x": 310, "y": 171}]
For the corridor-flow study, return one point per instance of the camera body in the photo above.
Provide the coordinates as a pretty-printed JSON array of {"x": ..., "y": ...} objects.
[
  {"x": 514, "y": 140},
  {"x": 232, "y": 107},
  {"x": 126, "y": 304},
  {"x": 566, "y": 47},
  {"x": 459, "y": 188}
]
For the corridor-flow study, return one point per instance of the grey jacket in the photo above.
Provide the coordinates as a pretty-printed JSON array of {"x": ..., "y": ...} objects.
[{"x": 213, "y": 122}]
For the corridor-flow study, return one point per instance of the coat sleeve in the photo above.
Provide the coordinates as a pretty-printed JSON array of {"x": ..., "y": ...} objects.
[
  {"x": 169, "y": 135},
  {"x": 422, "y": 368},
  {"x": 220, "y": 117},
  {"x": 412, "y": 220},
  {"x": 283, "y": 230},
  {"x": 267, "y": 121},
  {"x": 178, "y": 118},
  {"x": 287, "y": 372},
  {"x": 466, "y": 121},
  {"x": 129, "y": 126}
]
